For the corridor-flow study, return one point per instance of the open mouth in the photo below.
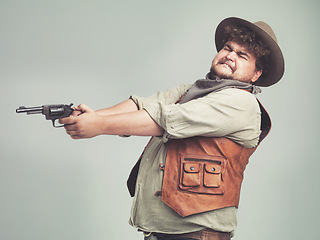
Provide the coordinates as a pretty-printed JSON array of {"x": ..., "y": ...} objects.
[{"x": 228, "y": 65}]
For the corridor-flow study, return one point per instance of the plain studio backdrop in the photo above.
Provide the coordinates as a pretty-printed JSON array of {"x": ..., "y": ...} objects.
[{"x": 99, "y": 53}]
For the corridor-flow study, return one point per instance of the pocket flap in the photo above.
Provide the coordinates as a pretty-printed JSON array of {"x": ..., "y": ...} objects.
[
  {"x": 191, "y": 167},
  {"x": 212, "y": 168}
]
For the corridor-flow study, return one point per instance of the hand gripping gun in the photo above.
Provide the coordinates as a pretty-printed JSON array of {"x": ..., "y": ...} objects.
[{"x": 52, "y": 112}]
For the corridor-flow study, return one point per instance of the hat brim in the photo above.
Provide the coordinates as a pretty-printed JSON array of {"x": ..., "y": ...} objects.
[{"x": 276, "y": 60}]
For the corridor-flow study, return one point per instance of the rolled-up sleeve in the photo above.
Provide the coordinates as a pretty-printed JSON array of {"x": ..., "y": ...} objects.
[
  {"x": 166, "y": 97},
  {"x": 230, "y": 113}
]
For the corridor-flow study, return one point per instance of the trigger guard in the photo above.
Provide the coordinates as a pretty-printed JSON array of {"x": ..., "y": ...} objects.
[{"x": 53, "y": 123}]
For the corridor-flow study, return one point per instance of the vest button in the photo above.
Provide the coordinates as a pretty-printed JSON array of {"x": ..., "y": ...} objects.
[
  {"x": 213, "y": 169},
  {"x": 191, "y": 168}
]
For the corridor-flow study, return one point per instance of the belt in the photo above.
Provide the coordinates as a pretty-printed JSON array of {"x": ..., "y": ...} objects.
[{"x": 204, "y": 234}]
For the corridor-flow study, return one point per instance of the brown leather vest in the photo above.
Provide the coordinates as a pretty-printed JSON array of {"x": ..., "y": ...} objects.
[{"x": 203, "y": 174}]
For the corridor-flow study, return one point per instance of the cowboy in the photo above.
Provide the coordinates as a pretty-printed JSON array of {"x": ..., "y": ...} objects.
[{"x": 186, "y": 184}]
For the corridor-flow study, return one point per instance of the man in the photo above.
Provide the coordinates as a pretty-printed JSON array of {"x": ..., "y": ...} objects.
[{"x": 186, "y": 184}]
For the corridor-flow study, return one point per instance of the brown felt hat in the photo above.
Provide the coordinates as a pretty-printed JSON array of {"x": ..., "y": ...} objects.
[{"x": 266, "y": 34}]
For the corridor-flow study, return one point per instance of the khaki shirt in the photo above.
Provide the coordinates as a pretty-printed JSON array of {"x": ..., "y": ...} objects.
[{"x": 232, "y": 113}]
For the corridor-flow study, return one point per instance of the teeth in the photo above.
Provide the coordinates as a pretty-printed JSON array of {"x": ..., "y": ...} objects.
[{"x": 228, "y": 66}]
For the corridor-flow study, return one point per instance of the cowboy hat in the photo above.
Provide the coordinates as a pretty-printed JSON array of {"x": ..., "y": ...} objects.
[{"x": 266, "y": 34}]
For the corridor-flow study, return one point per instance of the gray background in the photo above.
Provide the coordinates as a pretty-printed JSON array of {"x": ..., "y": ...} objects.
[{"x": 99, "y": 53}]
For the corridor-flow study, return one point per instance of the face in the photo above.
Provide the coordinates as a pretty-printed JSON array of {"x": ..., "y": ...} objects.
[{"x": 235, "y": 62}]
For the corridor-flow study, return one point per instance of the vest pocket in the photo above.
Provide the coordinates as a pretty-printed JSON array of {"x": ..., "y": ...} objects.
[
  {"x": 191, "y": 174},
  {"x": 212, "y": 175},
  {"x": 202, "y": 174}
]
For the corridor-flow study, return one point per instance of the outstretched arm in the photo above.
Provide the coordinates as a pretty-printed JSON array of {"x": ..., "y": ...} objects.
[
  {"x": 111, "y": 122},
  {"x": 123, "y": 107}
]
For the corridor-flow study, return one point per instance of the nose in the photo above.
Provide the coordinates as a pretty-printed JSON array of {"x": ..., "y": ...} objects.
[{"x": 231, "y": 55}]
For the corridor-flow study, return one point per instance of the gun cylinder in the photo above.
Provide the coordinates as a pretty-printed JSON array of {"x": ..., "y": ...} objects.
[{"x": 56, "y": 111}]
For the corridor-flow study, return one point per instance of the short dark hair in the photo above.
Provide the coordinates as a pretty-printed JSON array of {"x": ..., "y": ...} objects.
[{"x": 249, "y": 39}]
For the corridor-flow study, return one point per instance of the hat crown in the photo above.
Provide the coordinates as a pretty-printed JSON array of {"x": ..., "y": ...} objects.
[{"x": 265, "y": 27}]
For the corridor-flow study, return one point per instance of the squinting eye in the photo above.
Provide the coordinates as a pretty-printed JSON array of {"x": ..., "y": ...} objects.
[{"x": 243, "y": 57}]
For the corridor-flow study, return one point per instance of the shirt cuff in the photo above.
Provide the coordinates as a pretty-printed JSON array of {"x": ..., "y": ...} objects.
[
  {"x": 161, "y": 114},
  {"x": 139, "y": 101}
]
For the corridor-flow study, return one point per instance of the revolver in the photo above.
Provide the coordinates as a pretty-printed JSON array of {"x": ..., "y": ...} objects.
[{"x": 52, "y": 112}]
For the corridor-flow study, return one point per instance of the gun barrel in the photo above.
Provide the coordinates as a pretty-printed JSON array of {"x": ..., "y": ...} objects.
[{"x": 30, "y": 110}]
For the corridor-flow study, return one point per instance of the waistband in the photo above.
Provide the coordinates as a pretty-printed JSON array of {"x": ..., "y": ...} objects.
[{"x": 204, "y": 234}]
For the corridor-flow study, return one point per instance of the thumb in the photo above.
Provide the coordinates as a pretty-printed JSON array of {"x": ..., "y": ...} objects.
[{"x": 84, "y": 108}]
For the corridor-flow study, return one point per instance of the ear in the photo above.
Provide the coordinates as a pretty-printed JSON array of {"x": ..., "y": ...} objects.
[{"x": 256, "y": 76}]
